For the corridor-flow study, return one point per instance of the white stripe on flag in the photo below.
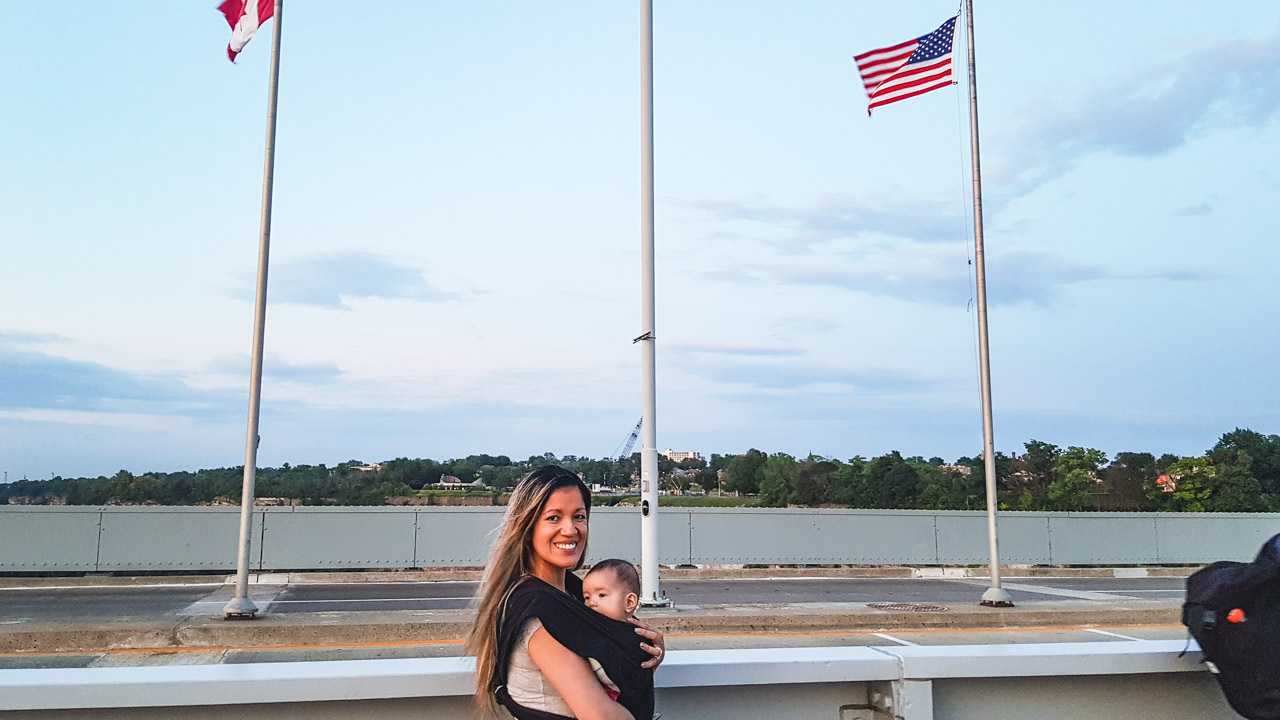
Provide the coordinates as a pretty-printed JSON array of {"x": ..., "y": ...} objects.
[{"x": 246, "y": 27}]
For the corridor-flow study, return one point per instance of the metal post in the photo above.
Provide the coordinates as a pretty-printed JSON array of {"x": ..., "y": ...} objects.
[
  {"x": 650, "y": 594},
  {"x": 995, "y": 596},
  {"x": 241, "y": 606}
]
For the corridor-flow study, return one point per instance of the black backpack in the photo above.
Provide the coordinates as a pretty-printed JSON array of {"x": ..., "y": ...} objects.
[{"x": 1233, "y": 610}]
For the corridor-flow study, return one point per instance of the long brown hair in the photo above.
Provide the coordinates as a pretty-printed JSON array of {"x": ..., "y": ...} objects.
[{"x": 510, "y": 560}]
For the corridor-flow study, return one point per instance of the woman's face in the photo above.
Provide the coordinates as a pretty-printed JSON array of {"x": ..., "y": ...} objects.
[{"x": 559, "y": 535}]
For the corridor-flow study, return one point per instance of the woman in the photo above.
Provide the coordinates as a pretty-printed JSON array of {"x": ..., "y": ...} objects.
[{"x": 533, "y": 635}]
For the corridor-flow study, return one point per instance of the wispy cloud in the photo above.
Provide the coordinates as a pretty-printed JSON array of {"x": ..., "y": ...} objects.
[
  {"x": 14, "y": 338},
  {"x": 931, "y": 275},
  {"x": 131, "y": 421},
  {"x": 329, "y": 281},
  {"x": 801, "y": 229},
  {"x": 732, "y": 349},
  {"x": 806, "y": 324},
  {"x": 277, "y": 367},
  {"x": 797, "y": 375},
  {"x": 35, "y": 380},
  {"x": 790, "y": 371},
  {"x": 1148, "y": 112}
]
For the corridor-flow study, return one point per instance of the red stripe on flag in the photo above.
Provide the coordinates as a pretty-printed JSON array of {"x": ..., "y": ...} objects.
[
  {"x": 922, "y": 91},
  {"x": 889, "y": 61},
  {"x": 925, "y": 67},
  {"x": 891, "y": 48},
  {"x": 888, "y": 88},
  {"x": 912, "y": 76},
  {"x": 877, "y": 75}
]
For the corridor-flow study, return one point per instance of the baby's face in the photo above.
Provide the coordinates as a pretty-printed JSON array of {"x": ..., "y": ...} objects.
[{"x": 604, "y": 594}]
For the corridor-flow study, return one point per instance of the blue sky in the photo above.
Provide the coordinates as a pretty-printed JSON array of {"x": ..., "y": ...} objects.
[{"x": 455, "y": 247}]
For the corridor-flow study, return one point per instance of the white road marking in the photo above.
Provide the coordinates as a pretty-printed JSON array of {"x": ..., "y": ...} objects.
[
  {"x": 337, "y": 602},
  {"x": 1063, "y": 592},
  {"x": 1118, "y": 635},
  {"x": 891, "y": 638},
  {"x": 114, "y": 587}
]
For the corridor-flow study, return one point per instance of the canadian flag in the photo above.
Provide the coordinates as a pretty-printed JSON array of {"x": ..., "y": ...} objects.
[{"x": 245, "y": 16}]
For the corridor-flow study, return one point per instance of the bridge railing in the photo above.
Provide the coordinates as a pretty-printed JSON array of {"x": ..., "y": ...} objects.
[
  {"x": 1129, "y": 680},
  {"x": 140, "y": 539}
]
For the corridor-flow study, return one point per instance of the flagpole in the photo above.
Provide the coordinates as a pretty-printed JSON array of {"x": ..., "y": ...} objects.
[
  {"x": 995, "y": 596},
  {"x": 650, "y": 594},
  {"x": 241, "y": 607}
]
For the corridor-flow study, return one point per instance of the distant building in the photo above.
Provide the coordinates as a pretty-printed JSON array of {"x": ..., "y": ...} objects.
[
  {"x": 449, "y": 481},
  {"x": 276, "y": 502},
  {"x": 675, "y": 456},
  {"x": 962, "y": 469},
  {"x": 376, "y": 467}
]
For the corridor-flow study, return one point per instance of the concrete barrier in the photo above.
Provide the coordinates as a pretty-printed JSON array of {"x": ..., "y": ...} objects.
[
  {"x": 166, "y": 539},
  {"x": 1133, "y": 680}
]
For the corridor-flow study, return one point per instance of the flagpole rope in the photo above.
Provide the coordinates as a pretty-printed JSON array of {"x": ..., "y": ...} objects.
[{"x": 966, "y": 211}]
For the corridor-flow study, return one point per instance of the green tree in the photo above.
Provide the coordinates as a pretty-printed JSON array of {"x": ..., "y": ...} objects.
[
  {"x": 743, "y": 473},
  {"x": 1124, "y": 482},
  {"x": 1263, "y": 451},
  {"x": 777, "y": 477},
  {"x": 718, "y": 461},
  {"x": 1035, "y": 471},
  {"x": 851, "y": 483},
  {"x": 814, "y": 482},
  {"x": 949, "y": 489},
  {"x": 1235, "y": 487},
  {"x": 1193, "y": 484},
  {"x": 1076, "y": 478},
  {"x": 890, "y": 482}
]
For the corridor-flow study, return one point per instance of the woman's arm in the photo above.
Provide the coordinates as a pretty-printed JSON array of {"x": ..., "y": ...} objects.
[{"x": 572, "y": 677}]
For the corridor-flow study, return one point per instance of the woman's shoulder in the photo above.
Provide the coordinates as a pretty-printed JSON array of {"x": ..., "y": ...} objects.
[
  {"x": 529, "y": 598},
  {"x": 530, "y": 589},
  {"x": 530, "y": 626}
]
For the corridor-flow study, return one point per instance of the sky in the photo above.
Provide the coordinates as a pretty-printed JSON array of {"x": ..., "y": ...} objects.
[{"x": 455, "y": 246}]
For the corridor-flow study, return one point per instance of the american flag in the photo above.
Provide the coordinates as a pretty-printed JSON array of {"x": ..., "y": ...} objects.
[{"x": 908, "y": 69}]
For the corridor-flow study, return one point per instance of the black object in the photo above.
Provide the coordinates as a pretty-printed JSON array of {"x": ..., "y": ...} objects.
[
  {"x": 613, "y": 643},
  {"x": 1233, "y": 611}
]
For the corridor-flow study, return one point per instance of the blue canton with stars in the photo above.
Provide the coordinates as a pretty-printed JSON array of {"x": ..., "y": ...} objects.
[{"x": 935, "y": 44}]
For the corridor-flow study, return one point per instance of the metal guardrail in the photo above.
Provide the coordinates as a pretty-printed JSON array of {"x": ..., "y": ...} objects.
[
  {"x": 144, "y": 539},
  {"x": 1130, "y": 680}
]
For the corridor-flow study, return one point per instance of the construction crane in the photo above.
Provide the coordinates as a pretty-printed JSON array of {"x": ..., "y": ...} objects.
[{"x": 630, "y": 442}]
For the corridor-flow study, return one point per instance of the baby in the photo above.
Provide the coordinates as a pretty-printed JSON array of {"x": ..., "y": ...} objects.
[{"x": 612, "y": 588}]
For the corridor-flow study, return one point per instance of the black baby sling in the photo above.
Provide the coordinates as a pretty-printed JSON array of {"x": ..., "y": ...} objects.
[{"x": 585, "y": 632}]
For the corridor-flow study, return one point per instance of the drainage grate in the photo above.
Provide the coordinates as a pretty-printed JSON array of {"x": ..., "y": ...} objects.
[{"x": 907, "y": 607}]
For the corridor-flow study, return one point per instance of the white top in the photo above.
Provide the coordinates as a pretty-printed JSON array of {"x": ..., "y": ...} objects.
[
  {"x": 525, "y": 682},
  {"x": 529, "y": 687}
]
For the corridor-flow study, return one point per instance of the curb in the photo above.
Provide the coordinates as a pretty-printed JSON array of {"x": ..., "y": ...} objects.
[{"x": 707, "y": 572}]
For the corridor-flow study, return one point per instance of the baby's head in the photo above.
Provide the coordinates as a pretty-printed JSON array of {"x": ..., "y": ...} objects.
[{"x": 612, "y": 588}]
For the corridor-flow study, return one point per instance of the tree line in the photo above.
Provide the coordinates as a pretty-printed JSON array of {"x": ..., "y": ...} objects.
[{"x": 1240, "y": 473}]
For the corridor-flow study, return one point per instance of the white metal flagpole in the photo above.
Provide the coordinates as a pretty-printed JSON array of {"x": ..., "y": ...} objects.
[
  {"x": 650, "y": 594},
  {"x": 241, "y": 606},
  {"x": 995, "y": 596}
]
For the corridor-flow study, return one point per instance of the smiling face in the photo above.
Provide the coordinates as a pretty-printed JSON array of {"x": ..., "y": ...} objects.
[
  {"x": 604, "y": 592},
  {"x": 559, "y": 535}
]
